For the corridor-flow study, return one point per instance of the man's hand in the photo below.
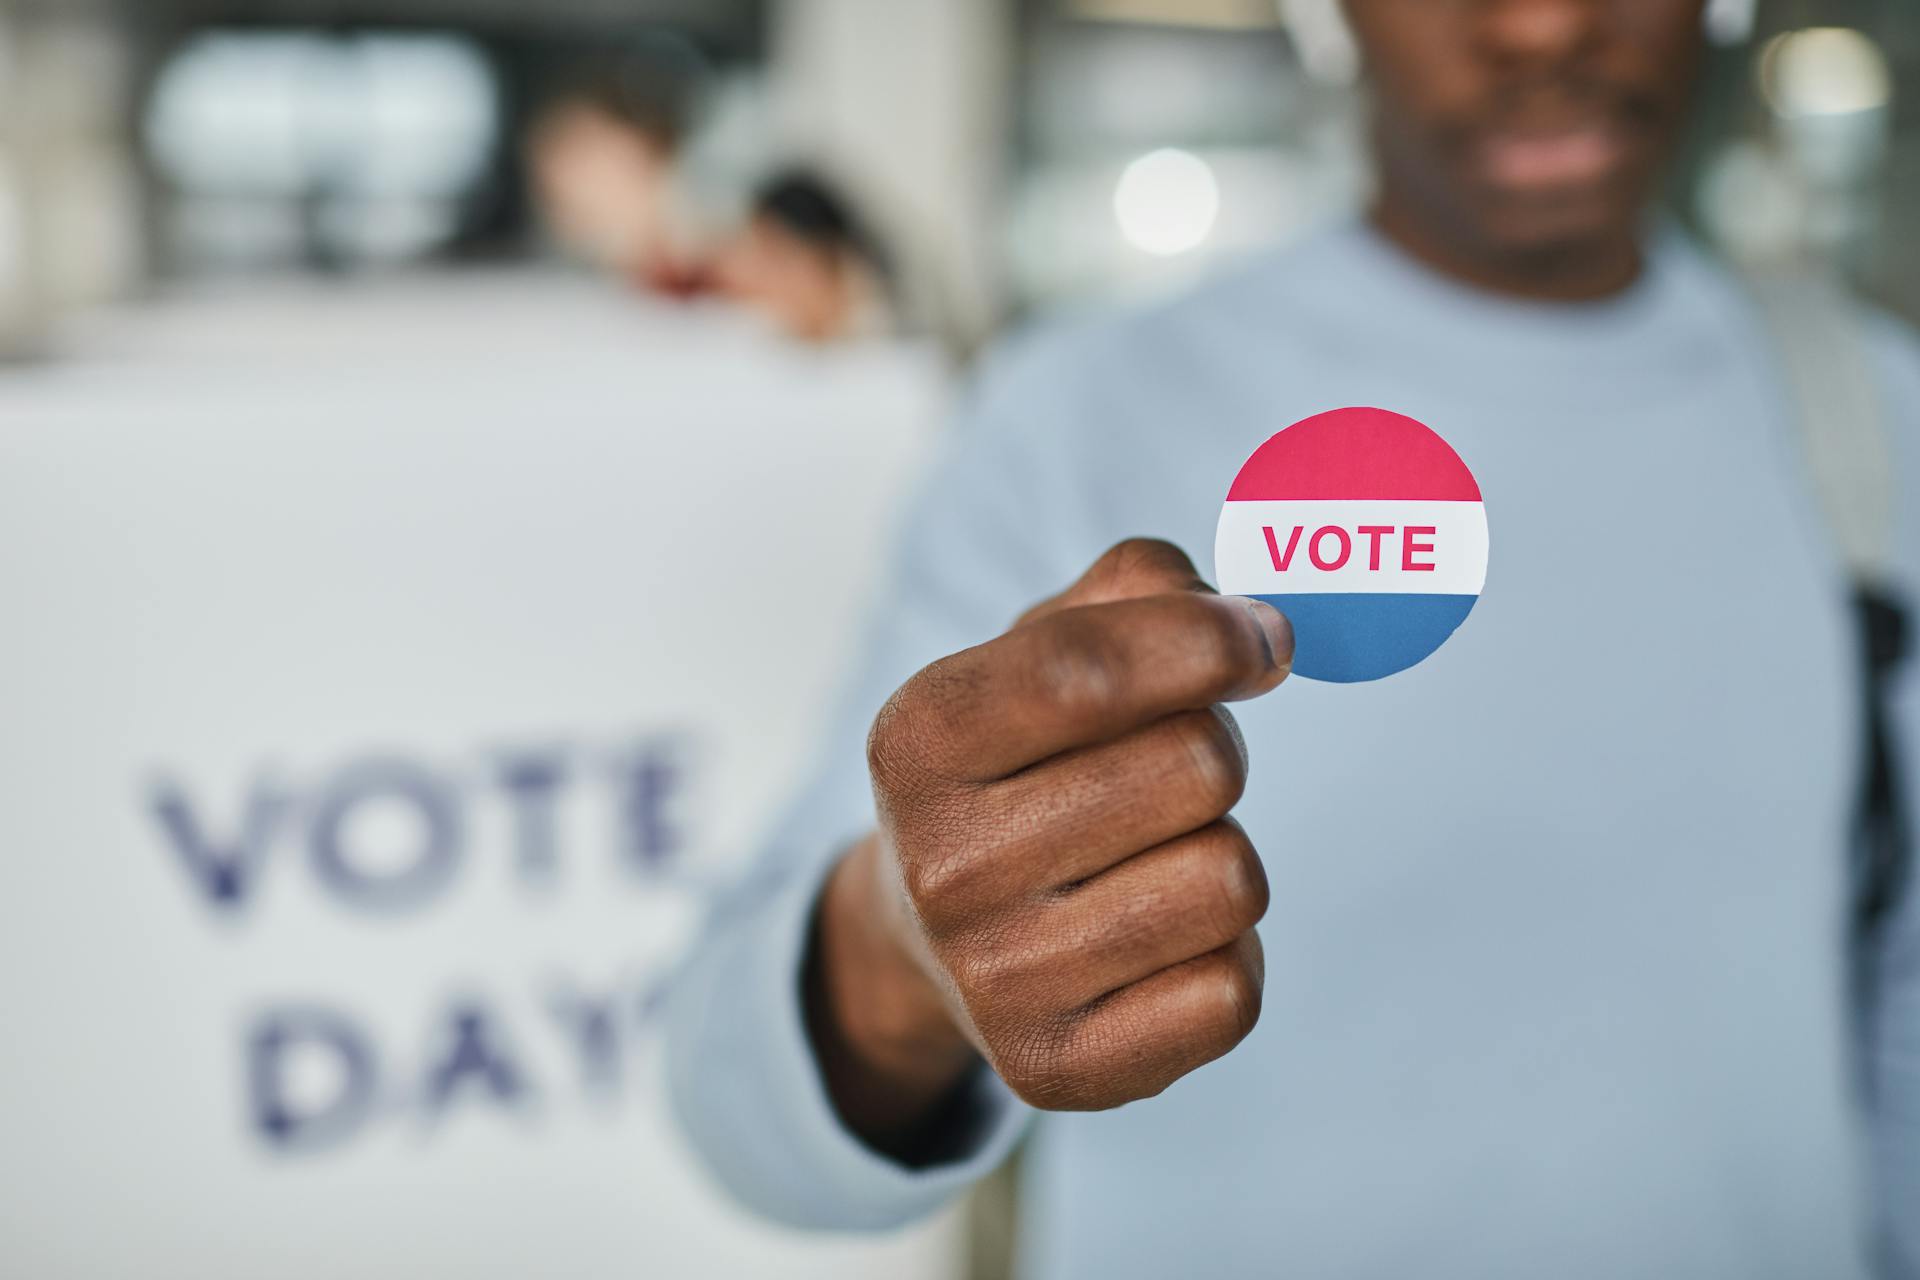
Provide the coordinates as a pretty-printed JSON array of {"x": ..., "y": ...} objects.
[{"x": 1054, "y": 884}]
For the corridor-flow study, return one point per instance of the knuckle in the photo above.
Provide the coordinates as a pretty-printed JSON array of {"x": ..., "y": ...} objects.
[
  {"x": 1243, "y": 996},
  {"x": 1080, "y": 669},
  {"x": 942, "y": 883},
  {"x": 912, "y": 737},
  {"x": 1240, "y": 991},
  {"x": 958, "y": 884},
  {"x": 887, "y": 741},
  {"x": 1237, "y": 880},
  {"x": 1226, "y": 643},
  {"x": 979, "y": 968},
  {"x": 1039, "y": 1068},
  {"x": 1148, "y": 561},
  {"x": 1012, "y": 962},
  {"x": 1214, "y": 767},
  {"x": 971, "y": 974},
  {"x": 924, "y": 880}
]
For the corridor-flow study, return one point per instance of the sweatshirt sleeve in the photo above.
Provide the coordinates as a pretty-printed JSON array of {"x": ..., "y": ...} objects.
[
  {"x": 748, "y": 1093},
  {"x": 976, "y": 550}
]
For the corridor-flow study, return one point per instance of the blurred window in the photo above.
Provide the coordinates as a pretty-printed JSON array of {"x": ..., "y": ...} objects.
[{"x": 287, "y": 147}]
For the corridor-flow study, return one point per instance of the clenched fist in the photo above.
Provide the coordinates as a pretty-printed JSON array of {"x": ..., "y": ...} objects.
[{"x": 1054, "y": 884}]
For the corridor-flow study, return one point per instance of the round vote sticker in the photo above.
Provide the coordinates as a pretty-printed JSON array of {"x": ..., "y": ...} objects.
[{"x": 1366, "y": 529}]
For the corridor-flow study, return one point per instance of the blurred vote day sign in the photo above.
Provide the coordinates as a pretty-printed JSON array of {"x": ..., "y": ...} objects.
[{"x": 387, "y": 676}]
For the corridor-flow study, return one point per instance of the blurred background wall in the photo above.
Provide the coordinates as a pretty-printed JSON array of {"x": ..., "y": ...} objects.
[
  {"x": 1020, "y": 151},
  {"x": 445, "y": 447}
]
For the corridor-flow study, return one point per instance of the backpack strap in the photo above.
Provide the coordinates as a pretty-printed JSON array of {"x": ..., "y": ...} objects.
[
  {"x": 1843, "y": 431},
  {"x": 1843, "y": 428}
]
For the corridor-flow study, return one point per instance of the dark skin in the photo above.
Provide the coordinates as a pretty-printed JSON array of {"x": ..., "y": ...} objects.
[
  {"x": 1517, "y": 140},
  {"x": 1053, "y": 886}
]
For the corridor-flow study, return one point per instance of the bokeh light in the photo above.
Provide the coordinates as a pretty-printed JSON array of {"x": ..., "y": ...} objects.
[
  {"x": 1824, "y": 71},
  {"x": 1167, "y": 202}
]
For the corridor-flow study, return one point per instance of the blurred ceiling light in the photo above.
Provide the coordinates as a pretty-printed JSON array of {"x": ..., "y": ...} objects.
[
  {"x": 1167, "y": 202},
  {"x": 1322, "y": 38},
  {"x": 269, "y": 113},
  {"x": 428, "y": 114},
  {"x": 1824, "y": 71},
  {"x": 226, "y": 112},
  {"x": 1730, "y": 21},
  {"x": 1226, "y": 14}
]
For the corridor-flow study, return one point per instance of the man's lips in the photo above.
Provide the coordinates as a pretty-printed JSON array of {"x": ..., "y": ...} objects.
[{"x": 1544, "y": 159}]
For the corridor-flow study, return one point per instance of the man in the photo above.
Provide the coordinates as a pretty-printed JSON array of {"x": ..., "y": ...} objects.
[{"x": 1550, "y": 977}]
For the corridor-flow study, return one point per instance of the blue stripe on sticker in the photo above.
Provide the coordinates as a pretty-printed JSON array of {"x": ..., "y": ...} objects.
[{"x": 1345, "y": 638}]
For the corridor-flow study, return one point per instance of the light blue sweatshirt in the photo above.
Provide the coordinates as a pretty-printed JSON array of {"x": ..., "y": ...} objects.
[{"x": 1555, "y": 975}]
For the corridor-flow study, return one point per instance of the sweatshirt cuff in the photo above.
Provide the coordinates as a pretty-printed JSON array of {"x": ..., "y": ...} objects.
[{"x": 747, "y": 1088}]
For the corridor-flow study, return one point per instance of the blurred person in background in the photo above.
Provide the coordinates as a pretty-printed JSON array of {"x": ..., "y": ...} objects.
[
  {"x": 603, "y": 157},
  {"x": 1551, "y": 973},
  {"x": 808, "y": 261}
]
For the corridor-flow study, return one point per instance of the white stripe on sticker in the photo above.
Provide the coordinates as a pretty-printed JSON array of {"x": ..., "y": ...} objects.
[{"x": 1352, "y": 546}]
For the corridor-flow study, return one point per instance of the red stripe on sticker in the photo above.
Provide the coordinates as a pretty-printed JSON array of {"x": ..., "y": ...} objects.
[{"x": 1355, "y": 453}]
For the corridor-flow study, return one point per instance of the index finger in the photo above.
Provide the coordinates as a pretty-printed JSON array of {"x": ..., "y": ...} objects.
[{"x": 1087, "y": 674}]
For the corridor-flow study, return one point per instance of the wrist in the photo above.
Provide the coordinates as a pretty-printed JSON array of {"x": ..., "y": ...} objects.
[{"x": 890, "y": 1051}]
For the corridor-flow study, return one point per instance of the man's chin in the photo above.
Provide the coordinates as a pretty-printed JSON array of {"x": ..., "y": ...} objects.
[{"x": 1560, "y": 236}]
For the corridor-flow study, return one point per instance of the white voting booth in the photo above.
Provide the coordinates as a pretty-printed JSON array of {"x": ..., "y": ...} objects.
[{"x": 387, "y": 674}]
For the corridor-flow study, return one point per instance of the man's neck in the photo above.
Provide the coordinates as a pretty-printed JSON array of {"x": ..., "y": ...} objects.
[{"x": 1583, "y": 273}]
